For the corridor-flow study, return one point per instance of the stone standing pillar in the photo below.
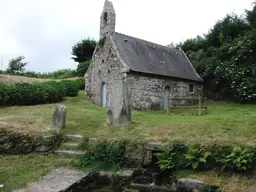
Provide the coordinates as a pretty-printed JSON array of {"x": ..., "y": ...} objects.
[
  {"x": 59, "y": 117},
  {"x": 119, "y": 113}
]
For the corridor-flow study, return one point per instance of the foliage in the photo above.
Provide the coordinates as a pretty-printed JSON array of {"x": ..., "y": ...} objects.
[
  {"x": 196, "y": 157},
  {"x": 60, "y": 74},
  {"x": 240, "y": 159},
  {"x": 102, "y": 41},
  {"x": 82, "y": 68},
  {"x": 80, "y": 83},
  {"x": 3, "y": 94},
  {"x": 165, "y": 158},
  {"x": 16, "y": 65},
  {"x": 107, "y": 154},
  {"x": 83, "y": 50},
  {"x": 37, "y": 93},
  {"x": 225, "y": 57},
  {"x": 71, "y": 87}
]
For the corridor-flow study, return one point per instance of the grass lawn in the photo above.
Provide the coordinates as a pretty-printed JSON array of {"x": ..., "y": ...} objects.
[
  {"x": 18, "y": 170},
  {"x": 227, "y": 182},
  {"x": 225, "y": 123}
]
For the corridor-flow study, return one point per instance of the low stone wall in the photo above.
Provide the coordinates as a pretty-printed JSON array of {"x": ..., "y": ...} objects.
[{"x": 14, "y": 142}]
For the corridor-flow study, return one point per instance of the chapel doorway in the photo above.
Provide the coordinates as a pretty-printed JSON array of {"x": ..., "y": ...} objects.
[
  {"x": 104, "y": 95},
  {"x": 167, "y": 91}
]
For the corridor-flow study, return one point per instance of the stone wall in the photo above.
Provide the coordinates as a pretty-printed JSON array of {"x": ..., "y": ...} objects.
[
  {"x": 105, "y": 68},
  {"x": 147, "y": 91},
  {"x": 108, "y": 69},
  {"x": 12, "y": 142},
  {"x": 144, "y": 91}
]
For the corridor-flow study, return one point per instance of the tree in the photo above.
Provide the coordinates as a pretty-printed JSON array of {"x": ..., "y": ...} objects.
[
  {"x": 83, "y": 50},
  {"x": 82, "y": 68},
  {"x": 225, "y": 57},
  {"x": 16, "y": 65}
]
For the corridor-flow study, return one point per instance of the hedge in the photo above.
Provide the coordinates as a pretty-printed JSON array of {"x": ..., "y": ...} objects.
[
  {"x": 37, "y": 93},
  {"x": 80, "y": 82},
  {"x": 71, "y": 87}
]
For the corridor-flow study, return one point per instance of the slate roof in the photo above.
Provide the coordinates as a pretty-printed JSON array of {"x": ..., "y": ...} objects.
[{"x": 146, "y": 57}]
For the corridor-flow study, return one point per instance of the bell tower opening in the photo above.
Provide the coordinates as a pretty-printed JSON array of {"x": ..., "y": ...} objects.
[{"x": 107, "y": 20}]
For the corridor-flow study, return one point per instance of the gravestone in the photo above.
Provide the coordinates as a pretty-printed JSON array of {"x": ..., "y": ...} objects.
[{"x": 59, "y": 117}]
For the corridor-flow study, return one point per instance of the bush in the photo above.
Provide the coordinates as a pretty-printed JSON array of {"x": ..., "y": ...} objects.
[
  {"x": 71, "y": 87},
  {"x": 82, "y": 68},
  {"x": 196, "y": 157},
  {"x": 240, "y": 159},
  {"x": 80, "y": 83},
  {"x": 166, "y": 158},
  {"x": 107, "y": 155},
  {"x": 37, "y": 93},
  {"x": 3, "y": 93}
]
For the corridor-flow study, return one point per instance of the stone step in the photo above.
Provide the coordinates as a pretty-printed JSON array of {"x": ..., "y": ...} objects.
[
  {"x": 70, "y": 153},
  {"x": 70, "y": 144},
  {"x": 74, "y": 137}
]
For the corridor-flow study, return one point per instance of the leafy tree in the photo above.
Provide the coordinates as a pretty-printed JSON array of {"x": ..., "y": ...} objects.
[
  {"x": 82, "y": 68},
  {"x": 251, "y": 16},
  {"x": 226, "y": 57},
  {"x": 16, "y": 65},
  {"x": 83, "y": 50}
]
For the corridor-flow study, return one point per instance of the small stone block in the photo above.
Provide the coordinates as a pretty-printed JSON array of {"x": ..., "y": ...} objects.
[
  {"x": 187, "y": 183},
  {"x": 59, "y": 116},
  {"x": 92, "y": 141}
]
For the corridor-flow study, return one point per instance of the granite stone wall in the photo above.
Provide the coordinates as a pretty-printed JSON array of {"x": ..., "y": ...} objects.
[
  {"x": 105, "y": 68},
  {"x": 14, "y": 142},
  {"x": 147, "y": 91}
]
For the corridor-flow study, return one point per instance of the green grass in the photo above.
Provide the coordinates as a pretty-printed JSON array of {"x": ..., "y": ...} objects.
[
  {"x": 18, "y": 170},
  {"x": 226, "y": 123},
  {"x": 228, "y": 182}
]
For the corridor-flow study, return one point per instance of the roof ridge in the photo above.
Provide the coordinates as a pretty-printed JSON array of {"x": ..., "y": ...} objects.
[{"x": 149, "y": 42}]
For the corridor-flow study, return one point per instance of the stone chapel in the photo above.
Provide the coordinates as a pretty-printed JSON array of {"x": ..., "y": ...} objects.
[{"x": 130, "y": 71}]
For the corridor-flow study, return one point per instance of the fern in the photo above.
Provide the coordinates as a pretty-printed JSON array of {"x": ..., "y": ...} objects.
[
  {"x": 165, "y": 159},
  {"x": 196, "y": 157}
]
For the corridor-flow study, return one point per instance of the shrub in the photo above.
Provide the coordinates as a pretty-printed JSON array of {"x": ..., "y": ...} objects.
[
  {"x": 166, "y": 158},
  {"x": 82, "y": 68},
  {"x": 196, "y": 157},
  {"x": 107, "y": 155},
  {"x": 240, "y": 159},
  {"x": 102, "y": 41},
  {"x": 71, "y": 87},
  {"x": 3, "y": 93},
  {"x": 37, "y": 93},
  {"x": 80, "y": 83}
]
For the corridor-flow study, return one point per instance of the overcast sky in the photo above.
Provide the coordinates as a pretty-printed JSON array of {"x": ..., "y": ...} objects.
[{"x": 44, "y": 30}]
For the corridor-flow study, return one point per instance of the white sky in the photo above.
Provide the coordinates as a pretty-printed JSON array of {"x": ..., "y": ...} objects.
[{"x": 44, "y": 30}]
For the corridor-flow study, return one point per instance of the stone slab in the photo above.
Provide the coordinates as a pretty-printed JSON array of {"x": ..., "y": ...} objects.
[
  {"x": 75, "y": 137},
  {"x": 69, "y": 152},
  {"x": 57, "y": 181}
]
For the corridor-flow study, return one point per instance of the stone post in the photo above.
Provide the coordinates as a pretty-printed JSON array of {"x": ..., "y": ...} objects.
[
  {"x": 119, "y": 113},
  {"x": 59, "y": 117}
]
